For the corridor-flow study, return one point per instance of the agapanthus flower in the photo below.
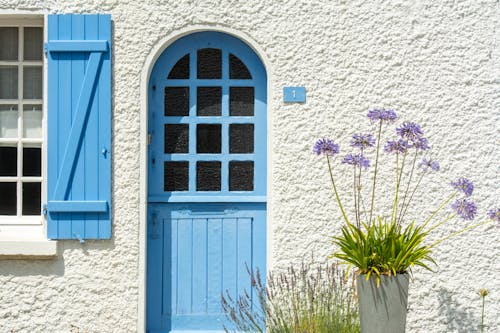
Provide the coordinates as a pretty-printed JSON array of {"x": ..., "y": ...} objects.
[
  {"x": 427, "y": 164},
  {"x": 326, "y": 147},
  {"x": 463, "y": 185},
  {"x": 494, "y": 214},
  {"x": 466, "y": 209},
  {"x": 362, "y": 141},
  {"x": 410, "y": 131},
  {"x": 421, "y": 144},
  {"x": 387, "y": 116},
  {"x": 400, "y": 146},
  {"x": 356, "y": 160}
]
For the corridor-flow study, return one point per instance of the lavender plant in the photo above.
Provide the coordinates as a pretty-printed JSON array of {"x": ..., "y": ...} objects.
[
  {"x": 308, "y": 300},
  {"x": 389, "y": 244}
]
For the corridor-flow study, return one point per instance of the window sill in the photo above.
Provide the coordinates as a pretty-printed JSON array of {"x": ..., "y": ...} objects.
[{"x": 27, "y": 249}]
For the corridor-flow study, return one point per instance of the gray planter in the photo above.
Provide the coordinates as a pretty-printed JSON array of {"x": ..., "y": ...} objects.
[{"x": 383, "y": 309}]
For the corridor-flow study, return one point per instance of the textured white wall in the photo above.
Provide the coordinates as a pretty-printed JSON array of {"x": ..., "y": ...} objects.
[{"x": 435, "y": 62}]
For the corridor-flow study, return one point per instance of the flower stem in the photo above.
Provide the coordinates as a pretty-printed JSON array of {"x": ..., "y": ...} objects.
[
  {"x": 375, "y": 171},
  {"x": 411, "y": 196},
  {"x": 400, "y": 217},
  {"x": 440, "y": 223},
  {"x": 439, "y": 208},
  {"x": 335, "y": 190},
  {"x": 458, "y": 233},
  {"x": 482, "y": 316}
]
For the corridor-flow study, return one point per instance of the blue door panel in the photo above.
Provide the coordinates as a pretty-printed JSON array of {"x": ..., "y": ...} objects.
[{"x": 203, "y": 243}]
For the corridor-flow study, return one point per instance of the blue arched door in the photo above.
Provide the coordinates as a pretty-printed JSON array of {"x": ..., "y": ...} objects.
[{"x": 206, "y": 180}]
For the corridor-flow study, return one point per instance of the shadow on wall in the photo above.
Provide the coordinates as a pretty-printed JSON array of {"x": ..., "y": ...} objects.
[
  {"x": 458, "y": 319},
  {"x": 55, "y": 266}
]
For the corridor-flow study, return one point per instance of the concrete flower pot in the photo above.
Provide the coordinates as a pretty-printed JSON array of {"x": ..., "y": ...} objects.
[{"x": 383, "y": 309}]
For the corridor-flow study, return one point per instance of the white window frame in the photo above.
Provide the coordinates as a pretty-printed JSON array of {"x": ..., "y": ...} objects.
[{"x": 27, "y": 228}]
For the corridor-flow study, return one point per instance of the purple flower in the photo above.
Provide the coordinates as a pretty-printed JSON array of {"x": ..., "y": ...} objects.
[
  {"x": 362, "y": 141},
  {"x": 387, "y": 116},
  {"x": 400, "y": 146},
  {"x": 494, "y": 214},
  {"x": 410, "y": 132},
  {"x": 466, "y": 209},
  {"x": 421, "y": 144},
  {"x": 427, "y": 164},
  {"x": 356, "y": 160},
  {"x": 463, "y": 185},
  {"x": 326, "y": 147}
]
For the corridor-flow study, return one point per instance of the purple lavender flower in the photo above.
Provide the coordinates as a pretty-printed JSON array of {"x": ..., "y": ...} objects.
[
  {"x": 463, "y": 185},
  {"x": 427, "y": 164},
  {"x": 356, "y": 160},
  {"x": 466, "y": 209},
  {"x": 494, "y": 214},
  {"x": 387, "y": 116},
  {"x": 421, "y": 144},
  {"x": 410, "y": 131},
  {"x": 362, "y": 141},
  {"x": 326, "y": 147},
  {"x": 400, "y": 146}
]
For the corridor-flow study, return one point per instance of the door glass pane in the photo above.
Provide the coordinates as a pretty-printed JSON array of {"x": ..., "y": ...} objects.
[
  {"x": 209, "y": 101},
  {"x": 9, "y": 43},
  {"x": 176, "y": 176},
  {"x": 8, "y": 198},
  {"x": 8, "y": 82},
  {"x": 32, "y": 161},
  {"x": 33, "y": 40},
  {"x": 241, "y": 138},
  {"x": 209, "y": 64},
  {"x": 32, "y": 121},
  {"x": 241, "y": 176},
  {"x": 237, "y": 69},
  {"x": 241, "y": 101},
  {"x": 180, "y": 69},
  {"x": 208, "y": 138},
  {"x": 8, "y": 121},
  {"x": 208, "y": 176},
  {"x": 176, "y": 101},
  {"x": 32, "y": 82},
  {"x": 32, "y": 197},
  {"x": 176, "y": 138},
  {"x": 8, "y": 158}
]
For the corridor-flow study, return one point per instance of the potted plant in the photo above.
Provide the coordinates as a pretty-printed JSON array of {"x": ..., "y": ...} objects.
[{"x": 384, "y": 247}]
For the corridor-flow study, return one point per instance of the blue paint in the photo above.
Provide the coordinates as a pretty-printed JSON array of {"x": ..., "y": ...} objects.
[
  {"x": 199, "y": 243},
  {"x": 294, "y": 94},
  {"x": 79, "y": 127}
]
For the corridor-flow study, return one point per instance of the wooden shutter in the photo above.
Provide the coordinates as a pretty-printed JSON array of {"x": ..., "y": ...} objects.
[{"x": 79, "y": 127}]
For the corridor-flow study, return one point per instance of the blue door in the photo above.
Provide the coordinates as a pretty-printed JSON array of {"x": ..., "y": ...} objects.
[{"x": 206, "y": 180}]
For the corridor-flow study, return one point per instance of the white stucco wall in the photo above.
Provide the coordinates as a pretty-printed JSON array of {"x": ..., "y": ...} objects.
[{"x": 434, "y": 62}]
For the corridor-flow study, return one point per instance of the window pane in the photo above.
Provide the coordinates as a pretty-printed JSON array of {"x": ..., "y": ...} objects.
[
  {"x": 33, "y": 40},
  {"x": 180, "y": 69},
  {"x": 32, "y": 121},
  {"x": 241, "y": 138},
  {"x": 208, "y": 176},
  {"x": 241, "y": 176},
  {"x": 32, "y": 197},
  {"x": 176, "y": 101},
  {"x": 8, "y": 82},
  {"x": 209, "y": 64},
  {"x": 209, "y": 101},
  {"x": 176, "y": 176},
  {"x": 32, "y": 82},
  {"x": 237, "y": 69},
  {"x": 8, "y": 121},
  {"x": 208, "y": 138},
  {"x": 8, "y": 161},
  {"x": 241, "y": 100},
  {"x": 8, "y": 41},
  {"x": 8, "y": 198},
  {"x": 176, "y": 138},
  {"x": 32, "y": 162}
]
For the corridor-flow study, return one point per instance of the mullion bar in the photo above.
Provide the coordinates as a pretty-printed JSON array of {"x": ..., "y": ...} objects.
[
  {"x": 20, "y": 113},
  {"x": 209, "y": 82},
  {"x": 209, "y": 157},
  {"x": 209, "y": 120},
  {"x": 225, "y": 124},
  {"x": 192, "y": 125}
]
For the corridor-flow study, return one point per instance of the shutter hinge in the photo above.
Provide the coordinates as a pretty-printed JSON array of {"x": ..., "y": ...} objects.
[
  {"x": 149, "y": 138},
  {"x": 44, "y": 209}
]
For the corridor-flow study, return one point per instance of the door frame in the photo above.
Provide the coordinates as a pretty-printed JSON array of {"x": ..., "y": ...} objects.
[{"x": 149, "y": 63}]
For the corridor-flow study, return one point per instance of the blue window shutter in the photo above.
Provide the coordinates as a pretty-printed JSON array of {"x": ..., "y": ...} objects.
[{"x": 79, "y": 127}]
